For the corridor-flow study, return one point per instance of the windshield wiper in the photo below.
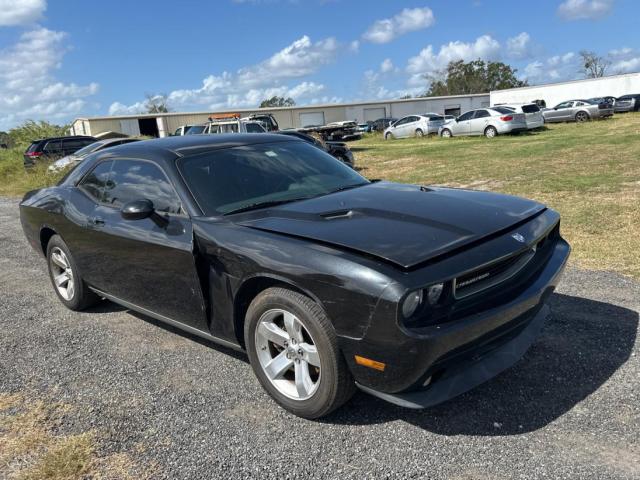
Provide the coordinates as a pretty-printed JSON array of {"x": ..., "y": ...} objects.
[
  {"x": 347, "y": 187},
  {"x": 258, "y": 205}
]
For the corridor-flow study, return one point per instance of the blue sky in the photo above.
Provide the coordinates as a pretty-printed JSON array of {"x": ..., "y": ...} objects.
[{"x": 64, "y": 59}]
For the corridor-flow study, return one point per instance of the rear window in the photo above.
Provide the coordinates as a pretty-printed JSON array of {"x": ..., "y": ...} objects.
[
  {"x": 436, "y": 118},
  {"x": 196, "y": 129},
  {"x": 503, "y": 110},
  {"x": 530, "y": 108},
  {"x": 625, "y": 97},
  {"x": 33, "y": 147}
]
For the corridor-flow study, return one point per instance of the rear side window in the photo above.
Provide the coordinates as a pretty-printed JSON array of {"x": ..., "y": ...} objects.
[
  {"x": 52, "y": 146},
  {"x": 530, "y": 108},
  {"x": 134, "y": 180},
  {"x": 95, "y": 181}
]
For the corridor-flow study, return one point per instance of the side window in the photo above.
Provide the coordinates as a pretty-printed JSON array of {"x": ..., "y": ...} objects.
[
  {"x": 134, "y": 180},
  {"x": 94, "y": 183},
  {"x": 402, "y": 121},
  {"x": 481, "y": 114},
  {"x": 565, "y": 105},
  {"x": 52, "y": 146},
  {"x": 466, "y": 116}
]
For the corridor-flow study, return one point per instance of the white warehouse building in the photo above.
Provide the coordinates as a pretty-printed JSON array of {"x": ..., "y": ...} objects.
[
  {"x": 163, "y": 124},
  {"x": 555, "y": 93}
]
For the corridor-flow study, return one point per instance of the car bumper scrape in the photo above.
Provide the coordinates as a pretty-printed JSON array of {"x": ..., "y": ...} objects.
[{"x": 476, "y": 370}]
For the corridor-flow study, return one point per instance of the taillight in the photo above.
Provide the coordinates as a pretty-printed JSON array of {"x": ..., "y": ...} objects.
[
  {"x": 506, "y": 118},
  {"x": 34, "y": 154}
]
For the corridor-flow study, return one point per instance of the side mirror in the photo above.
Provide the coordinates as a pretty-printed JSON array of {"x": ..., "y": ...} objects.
[{"x": 137, "y": 209}]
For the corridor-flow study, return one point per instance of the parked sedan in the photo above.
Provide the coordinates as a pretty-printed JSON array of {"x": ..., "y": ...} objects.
[
  {"x": 382, "y": 123},
  {"x": 264, "y": 243},
  {"x": 627, "y": 103},
  {"x": 485, "y": 121},
  {"x": 577, "y": 110},
  {"x": 414, "y": 126},
  {"x": 81, "y": 154}
]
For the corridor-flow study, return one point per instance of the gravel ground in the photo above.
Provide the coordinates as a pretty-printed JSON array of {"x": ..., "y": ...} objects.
[{"x": 569, "y": 409}]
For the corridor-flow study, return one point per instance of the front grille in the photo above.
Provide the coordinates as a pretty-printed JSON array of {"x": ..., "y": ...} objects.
[{"x": 495, "y": 273}]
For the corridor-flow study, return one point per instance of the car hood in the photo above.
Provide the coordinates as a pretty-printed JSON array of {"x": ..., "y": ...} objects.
[{"x": 402, "y": 224}]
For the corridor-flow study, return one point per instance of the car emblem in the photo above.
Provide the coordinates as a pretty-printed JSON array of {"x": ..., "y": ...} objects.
[{"x": 518, "y": 237}]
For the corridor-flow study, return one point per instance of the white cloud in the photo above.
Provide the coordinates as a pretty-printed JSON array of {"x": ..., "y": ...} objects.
[
  {"x": 624, "y": 60},
  {"x": 408, "y": 20},
  {"x": 584, "y": 9},
  {"x": 386, "y": 65},
  {"x": 246, "y": 87},
  {"x": 519, "y": 47},
  {"x": 429, "y": 62},
  {"x": 21, "y": 12},
  {"x": 552, "y": 69},
  {"x": 28, "y": 88}
]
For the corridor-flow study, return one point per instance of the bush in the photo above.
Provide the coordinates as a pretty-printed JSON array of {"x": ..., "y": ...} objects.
[
  {"x": 22, "y": 136},
  {"x": 15, "y": 180}
]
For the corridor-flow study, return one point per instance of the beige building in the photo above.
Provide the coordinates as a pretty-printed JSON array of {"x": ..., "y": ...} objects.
[{"x": 163, "y": 124}]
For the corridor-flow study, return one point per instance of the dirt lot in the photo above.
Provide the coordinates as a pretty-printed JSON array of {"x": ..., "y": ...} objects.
[{"x": 109, "y": 394}]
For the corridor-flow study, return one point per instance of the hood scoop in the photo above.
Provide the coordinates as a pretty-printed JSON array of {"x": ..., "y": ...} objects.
[{"x": 337, "y": 214}]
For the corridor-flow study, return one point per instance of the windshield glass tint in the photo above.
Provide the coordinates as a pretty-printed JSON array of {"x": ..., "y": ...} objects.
[
  {"x": 530, "y": 108},
  {"x": 226, "y": 180},
  {"x": 195, "y": 129}
]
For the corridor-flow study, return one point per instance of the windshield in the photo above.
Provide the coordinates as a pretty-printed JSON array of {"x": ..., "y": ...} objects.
[
  {"x": 194, "y": 130},
  {"x": 87, "y": 150},
  {"x": 223, "y": 181}
]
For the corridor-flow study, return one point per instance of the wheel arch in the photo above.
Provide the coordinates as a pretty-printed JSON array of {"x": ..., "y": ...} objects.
[
  {"x": 46, "y": 232},
  {"x": 250, "y": 288}
]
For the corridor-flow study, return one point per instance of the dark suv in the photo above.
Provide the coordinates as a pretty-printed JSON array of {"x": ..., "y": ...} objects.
[{"x": 54, "y": 148}]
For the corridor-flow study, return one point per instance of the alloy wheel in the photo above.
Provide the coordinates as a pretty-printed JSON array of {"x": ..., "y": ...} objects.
[
  {"x": 62, "y": 273},
  {"x": 287, "y": 354},
  {"x": 490, "y": 132},
  {"x": 446, "y": 133}
]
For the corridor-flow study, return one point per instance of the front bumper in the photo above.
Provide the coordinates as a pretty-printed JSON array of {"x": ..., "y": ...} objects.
[{"x": 452, "y": 358}]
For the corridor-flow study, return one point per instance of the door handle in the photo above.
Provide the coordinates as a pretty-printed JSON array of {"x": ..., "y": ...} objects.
[{"x": 97, "y": 221}]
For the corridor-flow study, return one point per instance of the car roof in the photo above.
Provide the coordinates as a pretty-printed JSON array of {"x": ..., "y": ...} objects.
[
  {"x": 68, "y": 137},
  {"x": 170, "y": 148}
]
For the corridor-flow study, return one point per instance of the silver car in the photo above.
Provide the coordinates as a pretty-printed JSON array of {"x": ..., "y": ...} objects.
[
  {"x": 485, "y": 121},
  {"x": 80, "y": 155},
  {"x": 414, "y": 126},
  {"x": 577, "y": 110}
]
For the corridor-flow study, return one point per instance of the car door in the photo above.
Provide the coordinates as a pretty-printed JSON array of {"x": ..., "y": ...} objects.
[
  {"x": 462, "y": 124},
  {"x": 399, "y": 128},
  {"x": 150, "y": 262},
  {"x": 479, "y": 122},
  {"x": 562, "y": 111}
]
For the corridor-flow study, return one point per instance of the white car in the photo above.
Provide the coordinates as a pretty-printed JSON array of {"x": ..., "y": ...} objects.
[
  {"x": 80, "y": 155},
  {"x": 484, "y": 121},
  {"x": 226, "y": 126},
  {"x": 532, "y": 114},
  {"x": 414, "y": 126}
]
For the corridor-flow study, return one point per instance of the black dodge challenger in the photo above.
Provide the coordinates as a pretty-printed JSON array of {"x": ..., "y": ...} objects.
[{"x": 329, "y": 281}]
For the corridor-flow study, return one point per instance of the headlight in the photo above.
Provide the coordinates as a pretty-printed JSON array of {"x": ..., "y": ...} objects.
[
  {"x": 434, "y": 292},
  {"x": 411, "y": 303}
]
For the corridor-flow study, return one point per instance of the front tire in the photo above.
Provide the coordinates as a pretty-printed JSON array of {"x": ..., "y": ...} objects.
[
  {"x": 419, "y": 133},
  {"x": 446, "y": 133},
  {"x": 294, "y": 352},
  {"x": 65, "y": 278},
  {"x": 388, "y": 136}
]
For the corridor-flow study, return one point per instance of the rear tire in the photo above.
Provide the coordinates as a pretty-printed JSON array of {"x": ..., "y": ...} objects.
[
  {"x": 490, "y": 132},
  {"x": 582, "y": 117},
  {"x": 294, "y": 352},
  {"x": 65, "y": 277}
]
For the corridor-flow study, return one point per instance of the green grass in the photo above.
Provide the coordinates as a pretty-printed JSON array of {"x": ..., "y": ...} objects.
[
  {"x": 589, "y": 172},
  {"x": 15, "y": 181}
]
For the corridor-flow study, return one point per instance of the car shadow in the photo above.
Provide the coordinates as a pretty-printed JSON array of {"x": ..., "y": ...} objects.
[{"x": 583, "y": 344}]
